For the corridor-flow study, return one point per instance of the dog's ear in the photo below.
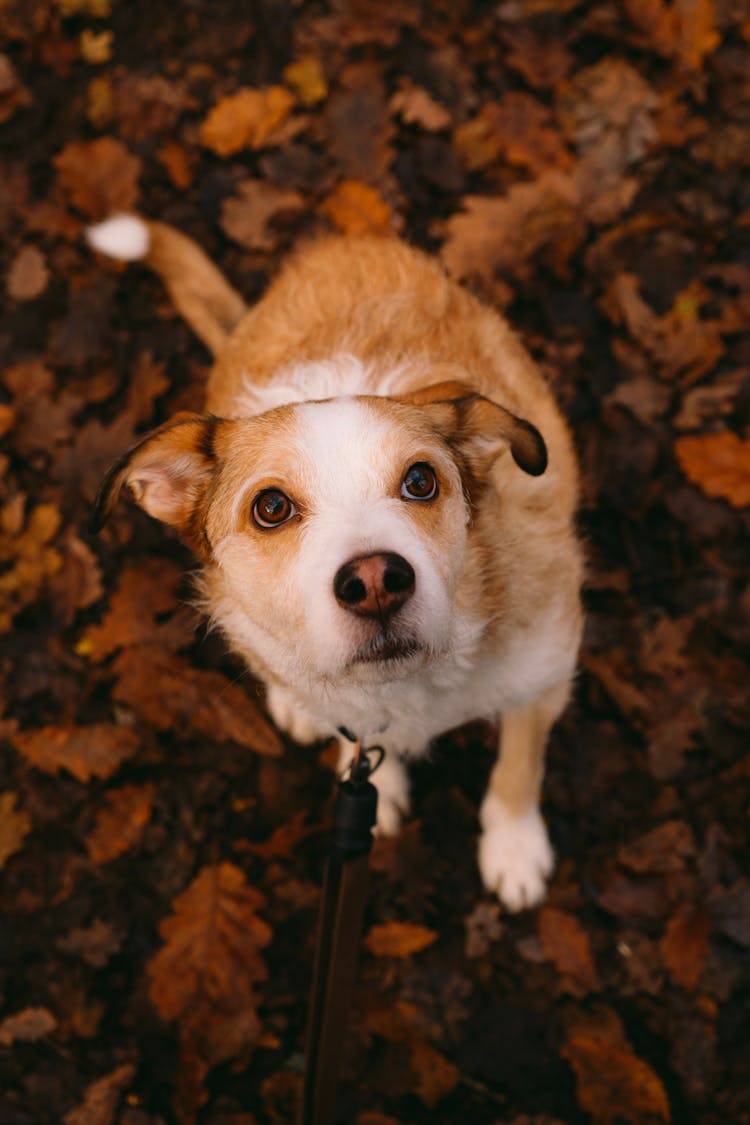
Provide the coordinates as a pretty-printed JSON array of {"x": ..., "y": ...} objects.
[
  {"x": 167, "y": 472},
  {"x": 479, "y": 428}
]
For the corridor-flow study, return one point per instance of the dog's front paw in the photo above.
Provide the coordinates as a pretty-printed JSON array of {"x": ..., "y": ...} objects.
[
  {"x": 289, "y": 716},
  {"x": 515, "y": 855}
]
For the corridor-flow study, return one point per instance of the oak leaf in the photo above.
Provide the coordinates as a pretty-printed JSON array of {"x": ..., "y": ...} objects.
[
  {"x": 614, "y": 1084},
  {"x": 246, "y": 217},
  {"x": 100, "y": 177},
  {"x": 566, "y": 944},
  {"x": 399, "y": 939},
  {"x": 120, "y": 822},
  {"x": 97, "y": 750},
  {"x": 684, "y": 945},
  {"x": 719, "y": 464},
  {"x": 357, "y": 208},
  {"x": 15, "y": 825},
  {"x": 246, "y": 119}
]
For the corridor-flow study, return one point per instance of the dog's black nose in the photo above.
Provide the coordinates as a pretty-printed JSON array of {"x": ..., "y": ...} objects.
[{"x": 374, "y": 585}]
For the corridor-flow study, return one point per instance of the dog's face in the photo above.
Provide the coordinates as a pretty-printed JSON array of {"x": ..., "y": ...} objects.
[{"x": 334, "y": 532}]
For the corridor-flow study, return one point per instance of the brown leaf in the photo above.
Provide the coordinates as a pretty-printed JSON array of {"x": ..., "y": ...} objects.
[
  {"x": 28, "y": 274},
  {"x": 719, "y": 464},
  {"x": 399, "y": 939},
  {"x": 357, "y": 208},
  {"x": 100, "y": 176},
  {"x": 520, "y": 129},
  {"x": 360, "y": 128},
  {"x": 120, "y": 822},
  {"x": 137, "y": 614},
  {"x": 94, "y": 944},
  {"x": 78, "y": 582},
  {"x": 13, "y": 93},
  {"x": 27, "y": 1026},
  {"x": 684, "y": 945},
  {"x": 178, "y": 163},
  {"x": 246, "y": 119},
  {"x": 614, "y": 1084},
  {"x": 685, "y": 30},
  {"x": 436, "y": 1076},
  {"x": 504, "y": 235},
  {"x": 416, "y": 107},
  {"x": 483, "y": 927},
  {"x": 97, "y": 750},
  {"x": 566, "y": 944},
  {"x": 284, "y": 839},
  {"x": 661, "y": 850},
  {"x": 247, "y": 216},
  {"x": 102, "y": 1098},
  {"x": 15, "y": 825},
  {"x": 169, "y": 694}
]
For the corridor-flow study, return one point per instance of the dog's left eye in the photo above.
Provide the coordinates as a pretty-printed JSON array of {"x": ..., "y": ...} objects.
[
  {"x": 272, "y": 508},
  {"x": 419, "y": 483}
]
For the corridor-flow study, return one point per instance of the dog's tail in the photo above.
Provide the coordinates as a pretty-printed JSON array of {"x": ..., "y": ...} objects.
[{"x": 200, "y": 292}]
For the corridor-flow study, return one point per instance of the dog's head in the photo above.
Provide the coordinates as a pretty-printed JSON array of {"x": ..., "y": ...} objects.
[{"x": 334, "y": 532}]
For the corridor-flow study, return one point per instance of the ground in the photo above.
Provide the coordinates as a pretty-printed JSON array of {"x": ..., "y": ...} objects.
[{"x": 584, "y": 167}]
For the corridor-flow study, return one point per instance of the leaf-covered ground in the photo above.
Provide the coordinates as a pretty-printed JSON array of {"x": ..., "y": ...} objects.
[{"x": 586, "y": 168}]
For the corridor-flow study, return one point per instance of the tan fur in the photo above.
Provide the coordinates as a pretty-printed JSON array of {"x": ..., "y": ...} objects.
[{"x": 437, "y": 349}]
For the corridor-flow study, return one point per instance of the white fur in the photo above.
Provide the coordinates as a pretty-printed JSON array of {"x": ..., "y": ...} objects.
[
  {"x": 515, "y": 855},
  {"x": 123, "y": 236},
  {"x": 339, "y": 376}
]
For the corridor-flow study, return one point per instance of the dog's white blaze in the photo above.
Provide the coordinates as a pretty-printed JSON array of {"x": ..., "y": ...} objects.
[{"x": 342, "y": 374}]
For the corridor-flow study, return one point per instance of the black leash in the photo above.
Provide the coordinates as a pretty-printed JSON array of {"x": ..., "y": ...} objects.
[{"x": 339, "y": 932}]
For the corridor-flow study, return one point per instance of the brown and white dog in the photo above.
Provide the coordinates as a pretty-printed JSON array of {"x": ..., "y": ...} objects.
[{"x": 382, "y": 494}]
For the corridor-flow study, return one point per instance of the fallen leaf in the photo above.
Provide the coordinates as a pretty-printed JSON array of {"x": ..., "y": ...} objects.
[
  {"x": 435, "y": 1075},
  {"x": 415, "y": 106},
  {"x": 120, "y": 822},
  {"x": 520, "y": 129},
  {"x": 97, "y": 750},
  {"x": 247, "y": 216},
  {"x": 15, "y": 825},
  {"x": 100, "y": 176},
  {"x": 719, "y": 464},
  {"x": 94, "y": 944},
  {"x": 566, "y": 944},
  {"x": 661, "y": 850},
  {"x": 27, "y": 1026},
  {"x": 96, "y": 46},
  {"x": 102, "y": 1098},
  {"x": 28, "y": 275},
  {"x": 307, "y": 79},
  {"x": 685, "y": 29},
  {"x": 399, "y": 939},
  {"x": 360, "y": 129},
  {"x": 684, "y": 945},
  {"x": 614, "y": 1084},
  {"x": 246, "y": 119},
  {"x": 483, "y": 928},
  {"x": 357, "y": 208},
  {"x": 285, "y": 838},
  {"x": 13, "y": 94},
  {"x": 171, "y": 695},
  {"x": 77, "y": 584},
  {"x": 149, "y": 105},
  {"x": 178, "y": 164}
]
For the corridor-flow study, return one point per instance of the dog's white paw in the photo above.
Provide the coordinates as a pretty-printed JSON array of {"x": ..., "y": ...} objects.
[
  {"x": 515, "y": 855},
  {"x": 289, "y": 716},
  {"x": 392, "y": 783}
]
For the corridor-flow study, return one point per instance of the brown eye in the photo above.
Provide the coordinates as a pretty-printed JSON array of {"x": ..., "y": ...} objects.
[
  {"x": 419, "y": 483},
  {"x": 272, "y": 508}
]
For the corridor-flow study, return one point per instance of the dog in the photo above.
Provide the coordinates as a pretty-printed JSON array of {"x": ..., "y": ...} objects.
[{"x": 382, "y": 493}]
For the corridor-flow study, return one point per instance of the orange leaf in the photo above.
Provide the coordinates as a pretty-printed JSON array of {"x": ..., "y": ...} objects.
[
  {"x": 121, "y": 822},
  {"x": 99, "y": 176},
  {"x": 684, "y": 945},
  {"x": 85, "y": 752},
  {"x": 436, "y": 1075},
  {"x": 719, "y": 464},
  {"x": 566, "y": 944},
  {"x": 399, "y": 939},
  {"x": 102, "y": 1097},
  {"x": 246, "y": 119},
  {"x": 357, "y": 208},
  {"x": 308, "y": 79},
  {"x": 14, "y": 826}
]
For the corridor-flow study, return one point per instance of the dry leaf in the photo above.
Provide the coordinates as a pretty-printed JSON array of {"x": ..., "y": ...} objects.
[
  {"x": 120, "y": 822},
  {"x": 97, "y": 750},
  {"x": 94, "y": 944},
  {"x": 13, "y": 93},
  {"x": 519, "y": 128},
  {"x": 614, "y": 1084},
  {"x": 719, "y": 464},
  {"x": 178, "y": 163},
  {"x": 27, "y": 1026},
  {"x": 171, "y": 695},
  {"x": 662, "y": 850},
  {"x": 567, "y": 945},
  {"x": 15, "y": 825},
  {"x": 102, "y": 1098},
  {"x": 247, "y": 216},
  {"x": 360, "y": 129},
  {"x": 684, "y": 945},
  {"x": 436, "y": 1076},
  {"x": 399, "y": 939},
  {"x": 357, "y": 208},
  {"x": 416, "y": 107},
  {"x": 307, "y": 78},
  {"x": 100, "y": 177},
  {"x": 247, "y": 119},
  {"x": 285, "y": 838},
  {"x": 28, "y": 275}
]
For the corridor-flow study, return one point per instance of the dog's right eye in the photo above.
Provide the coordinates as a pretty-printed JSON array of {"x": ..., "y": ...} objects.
[{"x": 272, "y": 507}]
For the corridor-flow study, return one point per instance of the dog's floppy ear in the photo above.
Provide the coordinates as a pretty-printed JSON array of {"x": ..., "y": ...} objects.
[
  {"x": 167, "y": 472},
  {"x": 479, "y": 428}
]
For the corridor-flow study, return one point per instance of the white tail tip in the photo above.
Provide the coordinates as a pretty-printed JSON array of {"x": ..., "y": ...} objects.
[{"x": 123, "y": 236}]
